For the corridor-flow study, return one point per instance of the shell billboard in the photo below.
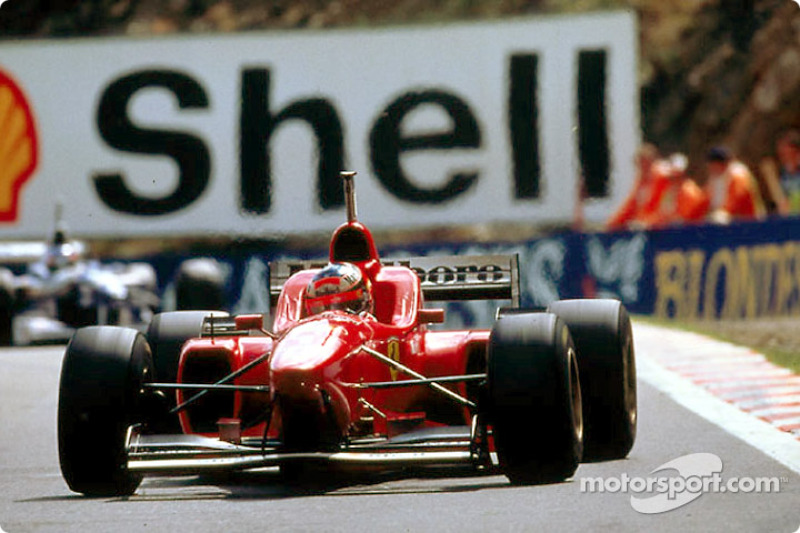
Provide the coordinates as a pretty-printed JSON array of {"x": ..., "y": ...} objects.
[{"x": 245, "y": 134}]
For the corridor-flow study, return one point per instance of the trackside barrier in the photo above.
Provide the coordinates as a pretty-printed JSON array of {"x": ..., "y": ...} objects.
[{"x": 739, "y": 271}]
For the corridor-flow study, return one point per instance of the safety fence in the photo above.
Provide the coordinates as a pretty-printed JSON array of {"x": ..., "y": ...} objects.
[{"x": 743, "y": 270}]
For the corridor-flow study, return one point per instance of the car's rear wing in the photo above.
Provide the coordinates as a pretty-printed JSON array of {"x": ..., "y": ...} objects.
[{"x": 444, "y": 278}]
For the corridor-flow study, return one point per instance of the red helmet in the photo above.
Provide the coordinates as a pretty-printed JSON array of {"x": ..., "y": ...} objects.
[{"x": 338, "y": 286}]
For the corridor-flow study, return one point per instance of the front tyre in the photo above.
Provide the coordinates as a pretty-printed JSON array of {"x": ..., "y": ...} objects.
[
  {"x": 601, "y": 330},
  {"x": 534, "y": 398},
  {"x": 100, "y": 396},
  {"x": 6, "y": 307}
]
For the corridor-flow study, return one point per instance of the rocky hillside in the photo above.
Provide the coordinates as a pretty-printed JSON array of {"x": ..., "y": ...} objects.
[
  {"x": 712, "y": 71},
  {"x": 733, "y": 77}
]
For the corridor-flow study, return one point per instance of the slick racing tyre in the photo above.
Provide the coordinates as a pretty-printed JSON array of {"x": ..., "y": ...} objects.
[
  {"x": 71, "y": 312},
  {"x": 534, "y": 398},
  {"x": 200, "y": 284},
  {"x": 6, "y": 307},
  {"x": 166, "y": 334},
  {"x": 100, "y": 396},
  {"x": 601, "y": 330}
]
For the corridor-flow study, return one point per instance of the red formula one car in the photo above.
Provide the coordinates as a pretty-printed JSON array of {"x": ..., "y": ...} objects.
[{"x": 352, "y": 374}]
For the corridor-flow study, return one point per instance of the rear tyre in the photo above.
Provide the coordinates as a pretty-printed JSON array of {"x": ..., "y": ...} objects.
[
  {"x": 200, "y": 284},
  {"x": 166, "y": 335},
  {"x": 71, "y": 312},
  {"x": 534, "y": 398},
  {"x": 100, "y": 396},
  {"x": 601, "y": 330}
]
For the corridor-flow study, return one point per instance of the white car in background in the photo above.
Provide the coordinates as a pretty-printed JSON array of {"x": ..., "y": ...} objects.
[{"x": 56, "y": 289}]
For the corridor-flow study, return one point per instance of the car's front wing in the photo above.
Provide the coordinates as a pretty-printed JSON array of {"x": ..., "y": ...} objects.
[{"x": 183, "y": 454}]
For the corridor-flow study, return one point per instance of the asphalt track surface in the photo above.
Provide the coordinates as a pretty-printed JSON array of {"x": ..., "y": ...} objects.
[{"x": 33, "y": 497}]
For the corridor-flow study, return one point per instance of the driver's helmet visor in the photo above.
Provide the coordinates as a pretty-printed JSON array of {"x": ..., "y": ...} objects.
[{"x": 354, "y": 301}]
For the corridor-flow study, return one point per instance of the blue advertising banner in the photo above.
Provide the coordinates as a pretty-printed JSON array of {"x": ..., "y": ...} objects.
[
  {"x": 743, "y": 270},
  {"x": 738, "y": 271}
]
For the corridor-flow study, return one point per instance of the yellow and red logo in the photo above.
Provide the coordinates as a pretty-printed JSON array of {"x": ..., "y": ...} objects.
[
  {"x": 18, "y": 146},
  {"x": 393, "y": 353}
]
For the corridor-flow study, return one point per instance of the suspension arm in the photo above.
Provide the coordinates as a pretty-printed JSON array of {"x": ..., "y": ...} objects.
[{"x": 431, "y": 383}]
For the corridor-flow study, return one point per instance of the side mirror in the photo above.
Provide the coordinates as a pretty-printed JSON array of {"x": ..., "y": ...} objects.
[
  {"x": 248, "y": 322},
  {"x": 431, "y": 316}
]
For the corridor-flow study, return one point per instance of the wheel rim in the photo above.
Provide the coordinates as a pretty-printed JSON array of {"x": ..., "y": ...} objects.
[
  {"x": 575, "y": 393},
  {"x": 630, "y": 382}
]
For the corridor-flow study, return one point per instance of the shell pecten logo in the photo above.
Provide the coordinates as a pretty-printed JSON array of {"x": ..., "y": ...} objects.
[{"x": 18, "y": 146}]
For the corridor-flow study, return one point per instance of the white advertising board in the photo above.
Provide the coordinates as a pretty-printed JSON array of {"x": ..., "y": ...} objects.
[{"x": 244, "y": 134}]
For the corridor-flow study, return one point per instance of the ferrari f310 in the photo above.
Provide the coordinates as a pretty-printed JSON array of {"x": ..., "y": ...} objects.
[{"x": 353, "y": 373}]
